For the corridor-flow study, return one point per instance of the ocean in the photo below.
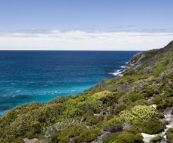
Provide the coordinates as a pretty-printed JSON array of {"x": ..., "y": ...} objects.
[{"x": 40, "y": 76}]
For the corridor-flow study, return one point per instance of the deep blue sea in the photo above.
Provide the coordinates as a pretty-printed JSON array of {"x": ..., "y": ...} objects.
[{"x": 27, "y": 76}]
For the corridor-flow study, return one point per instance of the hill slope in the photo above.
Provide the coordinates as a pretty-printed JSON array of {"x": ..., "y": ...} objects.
[{"x": 114, "y": 110}]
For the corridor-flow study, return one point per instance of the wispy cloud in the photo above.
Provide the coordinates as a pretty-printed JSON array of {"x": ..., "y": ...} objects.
[{"x": 81, "y": 40}]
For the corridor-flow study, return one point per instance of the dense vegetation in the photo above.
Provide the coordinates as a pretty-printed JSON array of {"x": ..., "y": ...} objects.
[{"x": 115, "y": 110}]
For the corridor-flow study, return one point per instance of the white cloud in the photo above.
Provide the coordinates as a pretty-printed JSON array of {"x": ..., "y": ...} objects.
[{"x": 81, "y": 40}]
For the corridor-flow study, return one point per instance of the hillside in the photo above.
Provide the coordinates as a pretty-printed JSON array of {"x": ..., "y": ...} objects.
[{"x": 123, "y": 109}]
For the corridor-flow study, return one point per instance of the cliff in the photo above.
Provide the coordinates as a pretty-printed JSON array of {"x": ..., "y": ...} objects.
[{"x": 134, "y": 108}]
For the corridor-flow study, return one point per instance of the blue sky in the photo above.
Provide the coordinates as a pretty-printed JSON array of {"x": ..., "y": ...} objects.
[{"x": 85, "y": 24}]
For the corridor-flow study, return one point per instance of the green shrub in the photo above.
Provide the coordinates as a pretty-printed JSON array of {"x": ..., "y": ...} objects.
[
  {"x": 60, "y": 99},
  {"x": 123, "y": 137},
  {"x": 113, "y": 125},
  {"x": 109, "y": 117},
  {"x": 103, "y": 96},
  {"x": 148, "y": 92},
  {"x": 78, "y": 133},
  {"x": 133, "y": 130},
  {"x": 30, "y": 134},
  {"x": 134, "y": 96},
  {"x": 129, "y": 72},
  {"x": 152, "y": 126},
  {"x": 17, "y": 140},
  {"x": 92, "y": 120},
  {"x": 129, "y": 138},
  {"x": 54, "y": 137},
  {"x": 121, "y": 107},
  {"x": 111, "y": 138},
  {"x": 157, "y": 99},
  {"x": 66, "y": 134},
  {"x": 169, "y": 135},
  {"x": 156, "y": 139},
  {"x": 88, "y": 135},
  {"x": 162, "y": 106},
  {"x": 138, "y": 113}
]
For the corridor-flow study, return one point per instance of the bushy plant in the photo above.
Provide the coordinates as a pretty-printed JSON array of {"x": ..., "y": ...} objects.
[
  {"x": 92, "y": 120},
  {"x": 129, "y": 72},
  {"x": 133, "y": 130},
  {"x": 60, "y": 99},
  {"x": 134, "y": 96},
  {"x": 123, "y": 137},
  {"x": 113, "y": 125},
  {"x": 157, "y": 99},
  {"x": 156, "y": 139},
  {"x": 122, "y": 106},
  {"x": 79, "y": 106},
  {"x": 138, "y": 113},
  {"x": 103, "y": 96},
  {"x": 88, "y": 135},
  {"x": 169, "y": 135},
  {"x": 66, "y": 134},
  {"x": 152, "y": 126}
]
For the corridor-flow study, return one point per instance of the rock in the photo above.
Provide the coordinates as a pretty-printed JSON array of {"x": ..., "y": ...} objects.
[
  {"x": 99, "y": 139},
  {"x": 26, "y": 140},
  {"x": 147, "y": 137},
  {"x": 135, "y": 60}
]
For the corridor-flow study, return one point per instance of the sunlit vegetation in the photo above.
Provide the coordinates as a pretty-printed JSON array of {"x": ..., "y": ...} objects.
[
  {"x": 117, "y": 110},
  {"x": 170, "y": 135},
  {"x": 138, "y": 113}
]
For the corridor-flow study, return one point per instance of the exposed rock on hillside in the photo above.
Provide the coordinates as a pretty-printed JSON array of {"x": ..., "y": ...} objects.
[{"x": 135, "y": 60}]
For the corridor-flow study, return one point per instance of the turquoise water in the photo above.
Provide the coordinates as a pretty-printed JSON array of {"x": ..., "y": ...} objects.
[{"x": 27, "y": 76}]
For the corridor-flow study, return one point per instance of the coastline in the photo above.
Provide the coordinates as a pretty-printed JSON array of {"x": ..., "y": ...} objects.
[
  {"x": 116, "y": 60},
  {"x": 132, "y": 63}
]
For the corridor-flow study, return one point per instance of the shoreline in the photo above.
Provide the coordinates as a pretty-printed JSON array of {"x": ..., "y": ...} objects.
[{"x": 118, "y": 72}]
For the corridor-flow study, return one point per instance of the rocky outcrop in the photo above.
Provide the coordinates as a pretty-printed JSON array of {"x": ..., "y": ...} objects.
[{"x": 135, "y": 60}]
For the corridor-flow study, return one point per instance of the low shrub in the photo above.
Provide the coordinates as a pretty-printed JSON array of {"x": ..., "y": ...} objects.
[
  {"x": 123, "y": 137},
  {"x": 64, "y": 135},
  {"x": 92, "y": 120},
  {"x": 156, "y": 139},
  {"x": 113, "y": 125},
  {"x": 152, "y": 126},
  {"x": 78, "y": 133},
  {"x": 169, "y": 135},
  {"x": 129, "y": 72},
  {"x": 134, "y": 97},
  {"x": 88, "y": 135},
  {"x": 104, "y": 96},
  {"x": 133, "y": 130},
  {"x": 113, "y": 128},
  {"x": 138, "y": 113}
]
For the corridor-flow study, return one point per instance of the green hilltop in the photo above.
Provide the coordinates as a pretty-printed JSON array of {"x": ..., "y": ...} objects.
[{"x": 115, "y": 110}]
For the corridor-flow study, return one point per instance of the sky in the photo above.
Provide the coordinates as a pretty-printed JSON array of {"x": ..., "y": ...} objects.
[{"x": 85, "y": 24}]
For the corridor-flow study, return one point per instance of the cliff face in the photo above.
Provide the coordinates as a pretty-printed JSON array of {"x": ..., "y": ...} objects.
[
  {"x": 135, "y": 60},
  {"x": 123, "y": 109},
  {"x": 151, "y": 56}
]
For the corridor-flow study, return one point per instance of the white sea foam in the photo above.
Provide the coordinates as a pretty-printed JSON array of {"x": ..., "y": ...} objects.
[{"x": 117, "y": 73}]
